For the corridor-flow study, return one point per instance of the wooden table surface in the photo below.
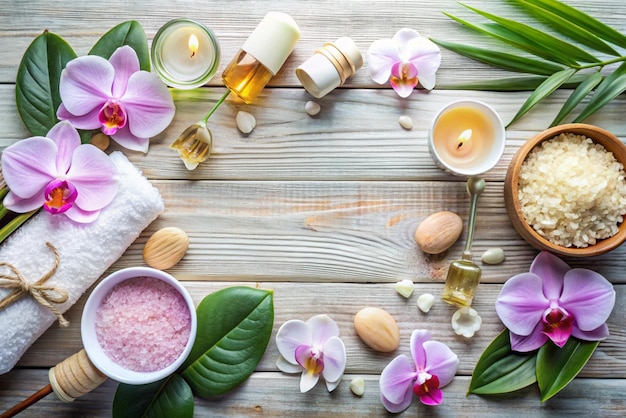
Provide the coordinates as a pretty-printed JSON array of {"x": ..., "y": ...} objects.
[{"x": 323, "y": 209}]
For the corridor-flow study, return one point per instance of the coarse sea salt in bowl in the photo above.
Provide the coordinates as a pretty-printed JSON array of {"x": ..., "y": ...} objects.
[
  {"x": 567, "y": 195},
  {"x": 138, "y": 325}
]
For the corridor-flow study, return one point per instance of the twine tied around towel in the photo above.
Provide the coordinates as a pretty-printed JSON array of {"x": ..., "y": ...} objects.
[{"x": 44, "y": 294}]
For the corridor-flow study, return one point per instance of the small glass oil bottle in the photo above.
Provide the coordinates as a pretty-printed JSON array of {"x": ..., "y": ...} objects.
[{"x": 261, "y": 56}]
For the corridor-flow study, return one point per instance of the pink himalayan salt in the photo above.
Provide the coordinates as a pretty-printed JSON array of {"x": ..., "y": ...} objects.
[{"x": 143, "y": 324}]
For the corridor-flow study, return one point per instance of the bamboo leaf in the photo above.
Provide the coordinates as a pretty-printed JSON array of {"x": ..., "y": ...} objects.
[
  {"x": 583, "y": 20},
  {"x": 501, "y": 370},
  {"x": 577, "y": 96},
  {"x": 171, "y": 397},
  {"x": 129, "y": 33},
  {"x": 612, "y": 86},
  {"x": 556, "y": 367},
  {"x": 536, "y": 36},
  {"x": 513, "y": 39},
  {"x": 567, "y": 28},
  {"x": 544, "y": 90},
  {"x": 37, "y": 83},
  {"x": 234, "y": 328},
  {"x": 502, "y": 60}
]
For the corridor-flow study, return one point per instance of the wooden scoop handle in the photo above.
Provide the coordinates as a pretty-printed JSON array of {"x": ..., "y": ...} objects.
[{"x": 74, "y": 377}]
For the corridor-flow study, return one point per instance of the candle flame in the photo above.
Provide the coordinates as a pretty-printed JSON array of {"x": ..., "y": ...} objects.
[
  {"x": 465, "y": 136},
  {"x": 193, "y": 44}
]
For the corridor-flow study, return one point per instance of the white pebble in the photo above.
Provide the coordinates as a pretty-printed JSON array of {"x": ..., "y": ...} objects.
[
  {"x": 357, "y": 386},
  {"x": 312, "y": 108},
  {"x": 406, "y": 122},
  {"x": 493, "y": 256},
  {"x": 245, "y": 122},
  {"x": 425, "y": 302},
  {"x": 405, "y": 288}
]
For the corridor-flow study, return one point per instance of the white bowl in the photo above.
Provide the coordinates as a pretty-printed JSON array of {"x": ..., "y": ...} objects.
[{"x": 88, "y": 330}]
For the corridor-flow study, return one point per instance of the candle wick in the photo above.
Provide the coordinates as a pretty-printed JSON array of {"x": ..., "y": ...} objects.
[
  {"x": 460, "y": 145},
  {"x": 193, "y": 54}
]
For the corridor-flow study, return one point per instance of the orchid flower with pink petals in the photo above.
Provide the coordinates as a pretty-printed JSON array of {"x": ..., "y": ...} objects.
[
  {"x": 554, "y": 302},
  {"x": 435, "y": 367},
  {"x": 404, "y": 60},
  {"x": 115, "y": 96},
  {"x": 60, "y": 174},
  {"x": 314, "y": 349}
]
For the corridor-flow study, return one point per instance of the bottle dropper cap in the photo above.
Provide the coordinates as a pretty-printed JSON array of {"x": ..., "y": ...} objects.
[
  {"x": 330, "y": 67},
  {"x": 272, "y": 40}
]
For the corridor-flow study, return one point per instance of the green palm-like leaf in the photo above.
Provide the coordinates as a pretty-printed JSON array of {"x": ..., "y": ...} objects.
[
  {"x": 537, "y": 37},
  {"x": 37, "y": 84},
  {"x": 129, "y": 33},
  {"x": 234, "y": 328},
  {"x": 502, "y": 60},
  {"x": 546, "y": 88},
  {"x": 501, "y": 370},
  {"x": 612, "y": 86},
  {"x": 567, "y": 28},
  {"x": 577, "y": 96},
  {"x": 556, "y": 367},
  {"x": 582, "y": 19},
  {"x": 171, "y": 397},
  {"x": 514, "y": 39}
]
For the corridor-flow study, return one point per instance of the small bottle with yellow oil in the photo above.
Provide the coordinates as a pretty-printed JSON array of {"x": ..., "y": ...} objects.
[{"x": 261, "y": 56}]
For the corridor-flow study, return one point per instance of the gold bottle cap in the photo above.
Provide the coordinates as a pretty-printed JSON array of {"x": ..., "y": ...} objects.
[{"x": 272, "y": 40}]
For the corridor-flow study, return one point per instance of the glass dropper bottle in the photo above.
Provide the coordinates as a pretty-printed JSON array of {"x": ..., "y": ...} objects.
[
  {"x": 260, "y": 58},
  {"x": 463, "y": 275}
]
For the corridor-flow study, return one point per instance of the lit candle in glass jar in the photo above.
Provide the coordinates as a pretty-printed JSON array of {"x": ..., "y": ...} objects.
[
  {"x": 467, "y": 138},
  {"x": 185, "y": 54}
]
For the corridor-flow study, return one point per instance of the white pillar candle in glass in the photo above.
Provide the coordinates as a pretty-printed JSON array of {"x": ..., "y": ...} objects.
[{"x": 185, "y": 54}]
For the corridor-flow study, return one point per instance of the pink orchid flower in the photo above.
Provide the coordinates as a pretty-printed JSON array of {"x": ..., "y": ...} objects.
[
  {"x": 404, "y": 60},
  {"x": 313, "y": 348},
  {"x": 435, "y": 367},
  {"x": 554, "y": 302},
  {"x": 59, "y": 173},
  {"x": 115, "y": 96}
]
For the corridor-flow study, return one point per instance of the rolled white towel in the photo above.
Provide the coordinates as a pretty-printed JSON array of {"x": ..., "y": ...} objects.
[{"x": 85, "y": 250}]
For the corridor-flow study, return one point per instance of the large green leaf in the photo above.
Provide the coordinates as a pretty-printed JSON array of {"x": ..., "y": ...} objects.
[
  {"x": 234, "y": 328},
  {"x": 171, "y": 397},
  {"x": 577, "y": 96},
  {"x": 129, "y": 33},
  {"x": 582, "y": 19},
  {"x": 612, "y": 86},
  {"x": 37, "y": 84},
  {"x": 503, "y": 60},
  {"x": 546, "y": 88},
  {"x": 556, "y": 367},
  {"x": 514, "y": 39},
  {"x": 501, "y": 370},
  {"x": 538, "y": 37},
  {"x": 566, "y": 27}
]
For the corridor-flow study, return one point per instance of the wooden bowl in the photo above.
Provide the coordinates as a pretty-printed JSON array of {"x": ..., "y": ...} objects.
[{"x": 513, "y": 206}]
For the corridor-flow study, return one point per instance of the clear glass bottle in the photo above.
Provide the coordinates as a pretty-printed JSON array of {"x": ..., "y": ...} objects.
[{"x": 261, "y": 56}]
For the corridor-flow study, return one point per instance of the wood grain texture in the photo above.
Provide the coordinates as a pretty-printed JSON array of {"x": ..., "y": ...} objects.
[{"x": 322, "y": 210}]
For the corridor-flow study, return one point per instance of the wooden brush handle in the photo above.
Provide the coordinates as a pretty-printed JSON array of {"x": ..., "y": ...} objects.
[{"x": 74, "y": 377}]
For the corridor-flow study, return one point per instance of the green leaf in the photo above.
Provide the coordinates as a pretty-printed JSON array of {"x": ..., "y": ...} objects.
[
  {"x": 612, "y": 86},
  {"x": 546, "y": 88},
  {"x": 577, "y": 96},
  {"x": 514, "y": 39},
  {"x": 556, "y": 367},
  {"x": 538, "y": 37},
  {"x": 501, "y": 59},
  {"x": 129, "y": 33},
  {"x": 37, "y": 84},
  {"x": 234, "y": 328},
  {"x": 583, "y": 20},
  {"x": 171, "y": 397},
  {"x": 501, "y": 370},
  {"x": 567, "y": 28}
]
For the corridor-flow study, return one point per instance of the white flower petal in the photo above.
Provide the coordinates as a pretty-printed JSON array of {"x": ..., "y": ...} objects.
[{"x": 466, "y": 322}]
